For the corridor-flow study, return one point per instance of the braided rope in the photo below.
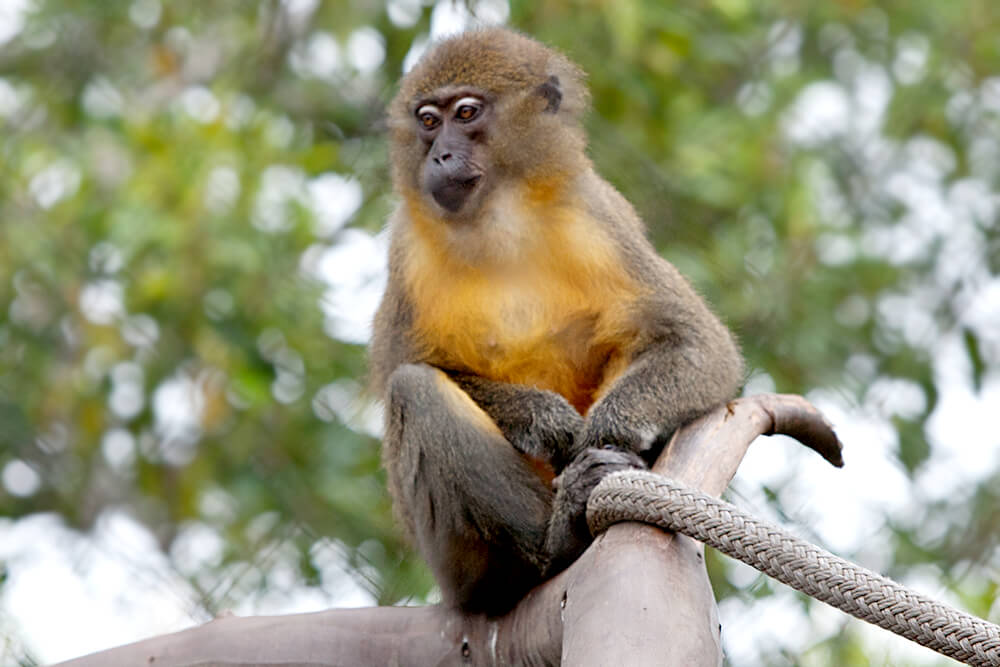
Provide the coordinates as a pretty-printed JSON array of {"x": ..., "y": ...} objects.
[{"x": 638, "y": 495}]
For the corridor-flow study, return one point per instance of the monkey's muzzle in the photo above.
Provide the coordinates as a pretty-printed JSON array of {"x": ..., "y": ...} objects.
[{"x": 451, "y": 192}]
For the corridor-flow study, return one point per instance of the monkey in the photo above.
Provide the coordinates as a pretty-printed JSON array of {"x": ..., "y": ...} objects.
[{"x": 530, "y": 340}]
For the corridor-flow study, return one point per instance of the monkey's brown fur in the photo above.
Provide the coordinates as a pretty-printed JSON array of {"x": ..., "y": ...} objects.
[{"x": 532, "y": 328}]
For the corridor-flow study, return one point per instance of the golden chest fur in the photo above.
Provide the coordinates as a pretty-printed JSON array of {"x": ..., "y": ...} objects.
[{"x": 550, "y": 307}]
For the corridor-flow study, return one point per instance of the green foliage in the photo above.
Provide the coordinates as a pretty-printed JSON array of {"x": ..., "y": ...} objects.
[
  {"x": 157, "y": 233},
  {"x": 137, "y": 251}
]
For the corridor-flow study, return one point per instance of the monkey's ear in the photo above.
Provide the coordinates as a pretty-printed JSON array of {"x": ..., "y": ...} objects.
[{"x": 552, "y": 93}]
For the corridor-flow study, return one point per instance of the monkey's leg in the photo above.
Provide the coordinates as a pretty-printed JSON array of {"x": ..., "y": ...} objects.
[
  {"x": 568, "y": 532},
  {"x": 474, "y": 505}
]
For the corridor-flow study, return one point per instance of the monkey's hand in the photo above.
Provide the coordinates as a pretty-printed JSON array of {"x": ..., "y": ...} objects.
[
  {"x": 568, "y": 533},
  {"x": 617, "y": 429},
  {"x": 539, "y": 423},
  {"x": 552, "y": 430}
]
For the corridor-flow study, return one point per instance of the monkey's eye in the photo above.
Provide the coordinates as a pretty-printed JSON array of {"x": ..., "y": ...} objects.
[
  {"x": 428, "y": 116},
  {"x": 467, "y": 108}
]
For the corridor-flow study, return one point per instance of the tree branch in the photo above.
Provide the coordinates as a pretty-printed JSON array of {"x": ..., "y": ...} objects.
[{"x": 637, "y": 596}]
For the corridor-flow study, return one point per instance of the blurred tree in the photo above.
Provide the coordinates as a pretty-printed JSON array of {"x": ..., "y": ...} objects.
[{"x": 187, "y": 210}]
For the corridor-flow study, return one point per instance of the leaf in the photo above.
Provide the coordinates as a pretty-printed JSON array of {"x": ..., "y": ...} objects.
[{"x": 975, "y": 357}]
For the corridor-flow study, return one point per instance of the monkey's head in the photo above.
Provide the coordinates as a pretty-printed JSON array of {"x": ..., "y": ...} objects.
[{"x": 480, "y": 109}]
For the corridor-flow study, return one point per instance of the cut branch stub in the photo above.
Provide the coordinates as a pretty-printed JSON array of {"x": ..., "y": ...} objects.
[{"x": 728, "y": 431}]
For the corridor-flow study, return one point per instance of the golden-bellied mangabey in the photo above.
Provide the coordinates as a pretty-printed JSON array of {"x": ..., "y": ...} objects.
[{"x": 528, "y": 328}]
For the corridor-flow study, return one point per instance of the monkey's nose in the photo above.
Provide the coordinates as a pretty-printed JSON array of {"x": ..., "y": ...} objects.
[{"x": 444, "y": 157}]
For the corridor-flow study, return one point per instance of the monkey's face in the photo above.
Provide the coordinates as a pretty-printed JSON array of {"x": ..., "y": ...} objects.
[
  {"x": 482, "y": 118},
  {"x": 454, "y": 126}
]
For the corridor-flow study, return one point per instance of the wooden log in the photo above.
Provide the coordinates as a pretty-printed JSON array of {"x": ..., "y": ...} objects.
[{"x": 637, "y": 596}]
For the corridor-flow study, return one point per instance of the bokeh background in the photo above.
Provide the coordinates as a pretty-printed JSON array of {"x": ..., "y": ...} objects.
[{"x": 191, "y": 197}]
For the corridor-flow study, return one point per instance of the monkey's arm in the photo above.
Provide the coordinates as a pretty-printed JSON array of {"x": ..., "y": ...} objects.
[
  {"x": 392, "y": 343},
  {"x": 537, "y": 422},
  {"x": 685, "y": 364}
]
